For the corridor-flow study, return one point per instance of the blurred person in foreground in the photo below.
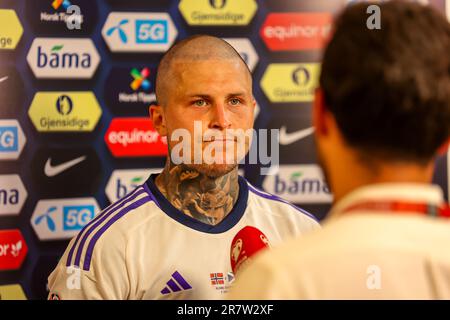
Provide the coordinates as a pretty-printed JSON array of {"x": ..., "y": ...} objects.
[{"x": 381, "y": 113}]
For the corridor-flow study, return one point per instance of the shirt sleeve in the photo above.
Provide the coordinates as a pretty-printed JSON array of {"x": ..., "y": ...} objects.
[
  {"x": 106, "y": 277},
  {"x": 72, "y": 283}
]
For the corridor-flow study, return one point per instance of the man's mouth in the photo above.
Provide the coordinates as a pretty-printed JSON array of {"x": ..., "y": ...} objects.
[{"x": 220, "y": 139}]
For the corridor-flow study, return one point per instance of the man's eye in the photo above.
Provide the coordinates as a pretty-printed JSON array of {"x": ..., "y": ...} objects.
[
  {"x": 235, "y": 102},
  {"x": 200, "y": 103}
]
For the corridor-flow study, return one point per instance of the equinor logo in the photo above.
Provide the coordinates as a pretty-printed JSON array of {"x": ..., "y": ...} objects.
[{"x": 63, "y": 58}]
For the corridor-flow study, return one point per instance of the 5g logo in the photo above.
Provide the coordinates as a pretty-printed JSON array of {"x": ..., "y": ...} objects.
[
  {"x": 76, "y": 217},
  {"x": 12, "y": 139},
  {"x": 59, "y": 219},
  {"x": 75, "y": 19},
  {"x": 139, "y": 31},
  {"x": 151, "y": 31},
  {"x": 8, "y": 139}
]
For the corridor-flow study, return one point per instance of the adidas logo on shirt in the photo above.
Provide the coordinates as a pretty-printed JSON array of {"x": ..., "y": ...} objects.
[{"x": 175, "y": 284}]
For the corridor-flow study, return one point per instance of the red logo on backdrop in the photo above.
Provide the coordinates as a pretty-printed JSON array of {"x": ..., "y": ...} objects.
[
  {"x": 296, "y": 31},
  {"x": 134, "y": 137},
  {"x": 13, "y": 249}
]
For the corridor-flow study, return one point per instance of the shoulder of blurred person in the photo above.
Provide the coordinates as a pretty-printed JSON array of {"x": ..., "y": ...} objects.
[{"x": 358, "y": 256}]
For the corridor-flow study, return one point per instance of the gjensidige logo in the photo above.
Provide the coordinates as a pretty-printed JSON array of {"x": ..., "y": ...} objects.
[
  {"x": 59, "y": 219},
  {"x": 299, "y": 184},
  {"x": 10, "y": 29},
  {"x": 70, "y": 111},
  {"x": 218, "y": 12},
  {"x": 12, "y": 292},
  {"x": 63, "y": 58},
  {"x": 139, "y": 31},
  {"x": 289, "y": 82}
]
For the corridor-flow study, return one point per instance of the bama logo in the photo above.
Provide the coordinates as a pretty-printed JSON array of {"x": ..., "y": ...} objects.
[
  {"x": 296, "y": 31},
  {"x": 12, "y": 194},
  {"x": 122, "y": 182},
  {"x": 139, "y": 31},
  {"x": 289, "y": 82},
  {"x": 71, "y": 111},
  {"x": 63, "y": 58},
  {"x": 134, "y": 137},
  {"x": 299, "y": 184},
  {"x": 12, "y": 139},
  {"x": 13, "y": 249},
  {"x": 60, "y": 219},
  {"x": 218, "y": 12}
]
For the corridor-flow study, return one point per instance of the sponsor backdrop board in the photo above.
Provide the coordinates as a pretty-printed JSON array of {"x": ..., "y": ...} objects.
[{"x": 74, "y": 127}]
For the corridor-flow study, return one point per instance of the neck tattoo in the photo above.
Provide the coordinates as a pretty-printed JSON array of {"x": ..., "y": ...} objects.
[{"x": 203, "y": 198}]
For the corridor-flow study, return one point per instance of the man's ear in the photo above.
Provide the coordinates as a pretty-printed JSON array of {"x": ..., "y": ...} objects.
[
  {"x": 159, "y": 120},
  {"x": 320, "y": 113}
]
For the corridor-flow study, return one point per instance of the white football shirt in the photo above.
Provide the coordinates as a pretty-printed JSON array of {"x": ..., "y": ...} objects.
[
  {"x": 360, "y": 255},
  {"x": 142, "y": 247}
]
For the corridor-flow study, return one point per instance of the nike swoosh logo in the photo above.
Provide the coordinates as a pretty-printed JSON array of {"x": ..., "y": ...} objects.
[
  {"x": 51, "y": 171},
  {"x": 288, "y": 138},
  {"x": 4, "y": 79}
]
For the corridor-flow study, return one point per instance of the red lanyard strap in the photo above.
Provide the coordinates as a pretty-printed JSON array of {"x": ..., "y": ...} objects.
[{"x": 402, "y": 207}]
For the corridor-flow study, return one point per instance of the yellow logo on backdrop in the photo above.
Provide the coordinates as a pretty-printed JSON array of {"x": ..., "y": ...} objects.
[
  {"x": 290, "y": 82},
  {"x": 218, "y": 12},
  {"x": 12, "y": 292},
  {"x": 71, "y": 111},
  {"x": 10, "y": 29}
]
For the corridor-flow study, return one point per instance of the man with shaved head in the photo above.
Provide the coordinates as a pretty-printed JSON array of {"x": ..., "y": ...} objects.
[{"x": 171, "y": 237}]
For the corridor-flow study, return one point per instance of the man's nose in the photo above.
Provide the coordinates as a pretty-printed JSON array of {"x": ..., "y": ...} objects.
[{"x": 220, "y": 117}]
